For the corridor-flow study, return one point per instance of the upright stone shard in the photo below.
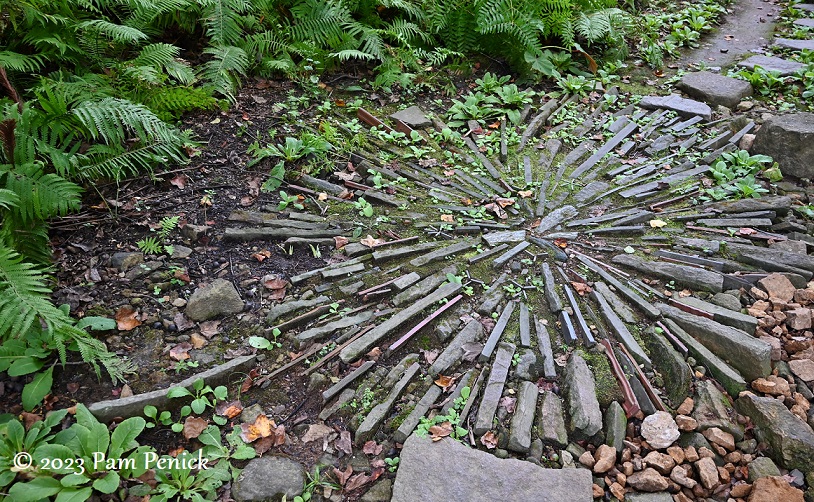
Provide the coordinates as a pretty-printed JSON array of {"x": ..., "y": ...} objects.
[
  {"x": 583, "y": 406},
  {"x": 551, "y": 426}
]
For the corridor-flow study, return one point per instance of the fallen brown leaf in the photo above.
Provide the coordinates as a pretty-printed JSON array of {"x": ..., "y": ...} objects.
[
  {"x": 229, "y": 410},
  {"x": 447, "y": 218},
  {"x": 489, "y": 440},
  {"x": 180, "y": 181},
  {"x": 440, "y": 431},
  {"x": 445, "y": 382},
  {"x": 344, "y": 443},
  {"x": 342, "y": 476},
  {"x": 126, "y": 318},
  {"x": 210, "y": 328},
  {"x": 262, "y": 255},
  {"x": 340, "y": 241},
  {"x": 181, "y": 351},
  {"x": 581, "y": 288},
  {"x": 193, "y": 426},
  {"x": 374, "y": 354},
  {"x": 525, "y": 193},
  {"x": 509, "y": 403},
  {"x": 372, "y": 448},
  {"x": 263, "y": 428},
  {"x": 369, "y": 241},
  {"x": 182, "y": 322},
  {"x": 126, "y": 391},
  {"x": 504, "y": 202}
]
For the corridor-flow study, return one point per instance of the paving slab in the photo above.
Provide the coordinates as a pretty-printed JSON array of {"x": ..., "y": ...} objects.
[
  {"x": 420, "y": 477},
  {"x": 413, "y": 117},
  {"x": 544, "y": 345},
  {"x": 618, "y": 326},
  {"x": 797, "y": 45},
  {"x": 772, "y": 63},
  {"x": 715, "y": 89},
  {"x": 692, "y": 277},
  {"x": 453, "y": 352},
  {"x": 374, "y": 419},
  {"x": 683, "y": 106},
  {"x": 723, "y": 315},
  {"x": 523, "y": 418},
  {"x": 789, "y": 140},
  {"x": 805, "y": 22},
  {"x": 583, "y": 407}
]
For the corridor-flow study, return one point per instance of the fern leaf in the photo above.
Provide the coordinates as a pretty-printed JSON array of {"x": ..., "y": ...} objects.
[
  {"x": 116, "y": 32},
  {"x": 222, "y": 73},
  {"x": 222, "y": 20}
]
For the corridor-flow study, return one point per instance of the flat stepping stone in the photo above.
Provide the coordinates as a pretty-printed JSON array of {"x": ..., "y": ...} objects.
[
  {"x": 797, "y": 45},
  {"x": 424, "y": 287},
  {"x": 682, "y": 106},
  {"x": 420, "y": 477},
  {"x": 789, "y": 139},
  {"x": 772, "y": 63},
  {"x": 715, "y": 89},
  {"x": 413, "y": 117},
  {"x": 495, "y": 238},
  {"x": 494, "y": 388},
  {"x": 805, "y": 22},
  {"x": 804, "y": 6}
]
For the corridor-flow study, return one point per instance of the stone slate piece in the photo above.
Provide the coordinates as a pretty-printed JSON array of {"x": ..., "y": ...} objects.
[
  {"x": 419, "y": 476},
  {"x": 771, "y": 63},
  {"x": 723, "y": 315},
  {"x": 551, "y": 426},
  {"x": 377, "y": 415},
  {"x": 583, "y": 407},
  {"x": 682, "y": 106},
  {"x": 454, "y": 350},
  {"x": 791, "y": 441},
  {"x": 413, "y": 117},
  {"x": 269, "y": 478},
  {"x": 105, "y": 411},
  {"x": 677, "y": 376},
  {"x": 789, "y": 140},
  {"x": 805, "y": 22},
  {"x": 714, "y": 409},
  {"x": 715, "y": 89},
  {"x": 494, "y": 388},
  {"x": 732, "y": 381},
  {"x": 218, "y": 298},
  {"x": 747, "y": 354},
  {"x": 692, "y": 277},
  {"x": 523, "y": 418},
  {"x": 797, "y": 45}
]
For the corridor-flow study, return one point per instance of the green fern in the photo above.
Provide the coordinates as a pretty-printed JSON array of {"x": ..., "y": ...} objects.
[{"x": 223, "y": 71}]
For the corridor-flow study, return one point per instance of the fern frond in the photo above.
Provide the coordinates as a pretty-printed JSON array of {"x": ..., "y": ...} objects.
[
  {"x": 116, "y": 32},
  {"x": 222, "y": 19},
  {"x": 110, "y": 119},
  {"x": 348, "y": 54},
  {"x": 222, "y": 73},
  {"x": 23, "y": 296},
  {"x": 23, "y": 63}
]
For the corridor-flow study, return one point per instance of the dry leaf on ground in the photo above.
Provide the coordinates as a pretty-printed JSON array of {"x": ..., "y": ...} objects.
[
  {"x": 344, "y": 443},
  {"x": 210, "y": 328},
  {"x": 581, "y": 288},
  {"x": 193, "y": 426},
  {"x": 181, "y": 351},
  {"x": 489, "y": 440},
  {"x": 316, "y": 432},
  {"x": 445, "y": 382},
  {"x": 229, "y": 410},
  {"x": 370, "y": 241},
  {"x": 179, "y": 181},
  {"x": 340, "y": 241},
  {"x": 342, "y": 476},
  {"x": 372, "y": 448},
  {"x": 126, "y": 318},
  {"x": 440, "y": 431},
  {"x": 262, "y": 427},
  {"x": 509, "y": 403},
  {"x": 448, "y": 218}
]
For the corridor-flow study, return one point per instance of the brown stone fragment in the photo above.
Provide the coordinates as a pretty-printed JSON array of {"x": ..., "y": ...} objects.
[
  {"x": 777, "y": 285},
  {"x": 707, "y": 472},
  {"x": 720, "y": 437},
  {"x": 681, "y": 497},
  {"x": 605, "y": 458},
  {"x": 803, "y": 368},
  {"x": 686, "y": 423},
  {"x": 691, "y": 454},
  {"x": 734, "y": 457},
  {"x": 804, "y": 296},
  {"x": 598, "y": 492},
  {"x": 686, "y": 407},
  {"x": 587, "y": 459},
  {"x": 740, "y": 490},
  {"x": 660, "y": 461},
  {"x": 649, "y": 480},
  {"x": 723, "y": 475},
  {"x": 798, "y": 319},
  {"x": 681, "y": 475},
  {"x": 617, "y": 491},
  {"x": 774, "y": 489},
  {"x": 677, "y": 453}
]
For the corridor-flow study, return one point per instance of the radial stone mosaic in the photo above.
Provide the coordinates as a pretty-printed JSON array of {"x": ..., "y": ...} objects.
[{"x": 540, "y": 284}]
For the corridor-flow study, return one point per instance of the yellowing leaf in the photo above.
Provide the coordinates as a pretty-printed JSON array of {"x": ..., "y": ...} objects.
[
  {"x": 658, "y": 223},
  {"x": 322, "y": 196},
  {"x": 525, "y": 193},
  {"x": 447, "y": 218},
  {"x": 370, "y": 241}
]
